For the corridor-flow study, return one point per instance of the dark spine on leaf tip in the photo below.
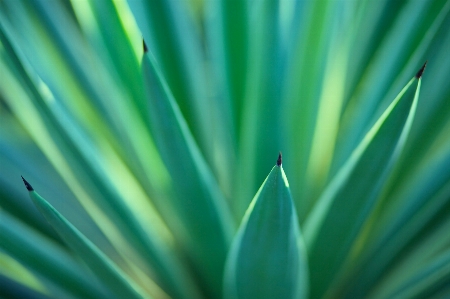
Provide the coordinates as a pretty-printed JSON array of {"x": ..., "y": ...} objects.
[
  {"x": 420, "y": 72},
  {"x": 144, "y": 45},
  {"x": 27, "y": 185},
  {"x": 280, "y": 160}
]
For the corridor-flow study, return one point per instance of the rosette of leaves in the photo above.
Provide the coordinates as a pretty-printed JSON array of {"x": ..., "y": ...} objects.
[{"x": 151, "y": 167}]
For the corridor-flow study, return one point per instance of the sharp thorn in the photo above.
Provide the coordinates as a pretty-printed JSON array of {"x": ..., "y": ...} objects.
[
  {"x": 280, "y": 160},
  {"x": 420, "y": 72},
  {"x": 27, "y": 185},
  {"x": 144, "y": 45}
]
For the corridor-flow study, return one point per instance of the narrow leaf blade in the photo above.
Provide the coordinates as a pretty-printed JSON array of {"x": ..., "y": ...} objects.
[
  {"x": 33, "y": 250},
  {"x": 97, "y": 261},
  {"x": 200, "y": 203},
  {"x": 345, "y": 204}
]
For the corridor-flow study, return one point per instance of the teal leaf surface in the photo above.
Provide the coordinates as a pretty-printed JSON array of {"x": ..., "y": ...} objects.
[
  {"x": 345, "y": 204},
  {"x": 97, "y": 261},
  {"x": 267, "y": 258}
]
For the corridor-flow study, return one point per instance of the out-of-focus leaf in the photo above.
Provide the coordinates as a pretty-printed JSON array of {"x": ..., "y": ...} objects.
[
  {"x": 429, "y": 280},
  {"x": 248, "y": 78},
  {"x": 105, "y": 270},
  {"x": 345, "y": 204},
  {"x": 47, "y": 119},
  {"x": 118, "y": 51},
  {"x": 424, "y": 268},
  {"x": 34, "y": 251},
  {"x": 226, "y": 33},
  {"x": 229, "y": 38},
  {"x": 260, "y": 120},
  {"x": 434, "y": 114},
  {"x": 175, "y": 42},
  {"x": 267, "y": 258},
  {"x": 315, "y": 64},
  {"x": 10, "y": 289},
  {"x": 208, "y": 225},
  {"x": 402, "y": 50},
  {"x": 423, "y": 200}
]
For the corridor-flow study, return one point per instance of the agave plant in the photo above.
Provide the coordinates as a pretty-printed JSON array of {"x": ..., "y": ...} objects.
[{"x": 151, "y": 167}]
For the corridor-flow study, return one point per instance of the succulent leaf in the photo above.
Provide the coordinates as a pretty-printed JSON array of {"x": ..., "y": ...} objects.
[{"x": 267, "y": 258}]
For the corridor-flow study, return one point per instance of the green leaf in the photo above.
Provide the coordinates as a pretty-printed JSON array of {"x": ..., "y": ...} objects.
[
  {"x": 267, "y": 258},
  {"x": 302, "y": 91},
  {"x": 424, "y": 269},
  {"x": 32, "y": 250},
  {"x": 174, "y": 40},
  {"x": 150, "y": 176},
  {"x": 97, "y": 261},
  {"x": 69, "y": 141},
  {"x": 117, "y": 48},
  {"x": 431, "y": 279},
  {"x": 229, "y": 37},
  {"x": 10, "y": 288},
  {"x": 200, "y": 204},
  {"x": 345, "y": 204},
  {"x": 401, "y": 49},
  {"x": 261, "y": 116},
  {"x": 423, "y": 201}
]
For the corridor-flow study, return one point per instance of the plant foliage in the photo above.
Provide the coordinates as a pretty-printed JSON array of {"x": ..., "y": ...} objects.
[{"x": 142, "y": 159}]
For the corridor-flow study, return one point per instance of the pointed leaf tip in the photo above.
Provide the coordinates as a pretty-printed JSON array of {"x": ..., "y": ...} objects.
[
  {"x": 267, "y": 258},
  {"x": 280, "y": 160},
  {"x": 144, "y": 45},
  {"x": 420, "y": 72},
  {"x": 27, "y": 185}
]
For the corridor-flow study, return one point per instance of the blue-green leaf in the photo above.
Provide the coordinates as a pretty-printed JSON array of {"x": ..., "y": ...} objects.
[
  {"x": 12, "y": 289},
  {"x": 97, "y": 261},
  {"x": 345, "y": 204},
  {"x": 33, "y": 250},
  {"x": 267, "y": 258},
  {"x": 200, "y": 204}
]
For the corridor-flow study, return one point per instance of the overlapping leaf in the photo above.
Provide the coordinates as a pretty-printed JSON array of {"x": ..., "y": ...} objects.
[
  {"x": 199, "y": 204},
  {"x": 159, "y": 167},
  {"x": 102, "y": 266},
  {"x": 345, "y": 204}
]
